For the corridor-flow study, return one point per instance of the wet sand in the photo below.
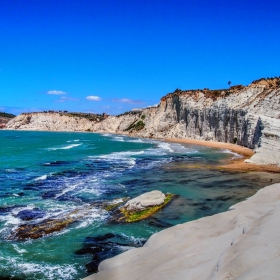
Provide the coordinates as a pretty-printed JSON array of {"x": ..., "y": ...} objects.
[{"x": 232, "y": 164}]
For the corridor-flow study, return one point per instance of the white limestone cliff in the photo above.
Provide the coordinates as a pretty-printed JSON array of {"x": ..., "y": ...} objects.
[
  {"x": 242, "y": 243},
  {"x": 248, "y": 116}
]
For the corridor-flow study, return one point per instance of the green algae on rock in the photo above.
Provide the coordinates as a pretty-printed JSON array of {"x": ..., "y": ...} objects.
[
  {"x": 142, "y": 207},
  {"x": 135, "y": 216}
]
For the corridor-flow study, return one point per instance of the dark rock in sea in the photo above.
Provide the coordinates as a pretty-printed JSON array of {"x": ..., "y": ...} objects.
[
  {"x": 223, "y": 198},
  {"x": 205, "y": 208},
  {"x": 50, "y": 194},
  {"x": 158, "y": 223},
  {"x": 92, "y": 267},
  {"x": 7, "y": 209},
  {"x": 38, "y": 230},
  {"x": 67, "y": 197},
  {"x": 30, "y": 214},
  {"x": 103, "y": 247},
  {"x": 35, "y": 230},
  {"x": 10, "y": 278},
  {"x": 21, "y": 194},
  {"x": 30, "y": 188}
]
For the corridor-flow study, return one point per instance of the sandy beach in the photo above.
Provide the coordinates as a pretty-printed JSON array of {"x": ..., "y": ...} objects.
[{"x": 237, "y": 164}]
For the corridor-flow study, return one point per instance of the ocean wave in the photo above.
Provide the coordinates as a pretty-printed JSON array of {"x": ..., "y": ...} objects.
[
  {"x": 65, "y": 148},
  {"x": 226, "y": 151},
  {"x": 165, "y": 146},
  {"x": 66, "y": 190},
  {"x": 118, "y": 138},
  {"x": 20, "y": 251},
  {"x": 32, "y": 270},
  {"x": 136, "y": 141},
  {"x": 176, "y": 148},
  {"x": 41, "y": 178}
]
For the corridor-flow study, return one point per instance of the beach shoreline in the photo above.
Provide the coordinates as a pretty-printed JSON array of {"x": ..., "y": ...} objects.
[{"x": 236, "y": 164}]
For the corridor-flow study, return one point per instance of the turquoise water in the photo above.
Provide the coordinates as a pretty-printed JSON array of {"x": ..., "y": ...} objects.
[{"x": 55, "y": 173}]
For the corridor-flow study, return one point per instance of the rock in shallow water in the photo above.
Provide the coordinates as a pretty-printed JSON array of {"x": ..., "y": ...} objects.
[
  {"x": 105, "y": 246},
  {"x": 30, "y": 214},
  {"x": 145, "y": 200},
  {"x": 141, "y": 207}
]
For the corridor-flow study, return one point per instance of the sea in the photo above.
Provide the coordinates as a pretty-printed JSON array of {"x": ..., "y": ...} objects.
[{"x": 47, "y": 175}]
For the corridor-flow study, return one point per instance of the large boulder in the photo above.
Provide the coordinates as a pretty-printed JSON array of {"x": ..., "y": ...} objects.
[
  {"x": 141, "y": 207},
  {"x": 141, "y": 202}
]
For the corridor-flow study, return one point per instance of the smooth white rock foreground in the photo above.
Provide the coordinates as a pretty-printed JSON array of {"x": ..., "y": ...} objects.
[
  {"x": 145, "y": 200},
  {"x": 243, "y": 243}
]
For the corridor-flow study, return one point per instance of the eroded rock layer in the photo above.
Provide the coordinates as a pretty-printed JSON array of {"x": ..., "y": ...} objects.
[{"x": 248, "y": 116}]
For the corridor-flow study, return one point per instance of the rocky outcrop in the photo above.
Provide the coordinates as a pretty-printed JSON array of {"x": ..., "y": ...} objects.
[
  {"x": 248, "y": 116},
  {"x": 242, "y": 243},
  {"x": 4, "y": 119},
  {"x": 141, "y": 207},
  {"x": 141, "y": 202}
]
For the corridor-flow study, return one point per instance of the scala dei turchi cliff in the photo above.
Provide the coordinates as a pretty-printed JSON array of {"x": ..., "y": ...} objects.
[
  {"x": 242, "y": 243},
  {"x": 248, "y": 116}
]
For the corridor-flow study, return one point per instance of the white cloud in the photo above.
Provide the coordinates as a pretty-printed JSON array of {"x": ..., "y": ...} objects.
[
  {"x": 56, "y": 92},
  {"x": 129, "y": 101},
  {"x": 65, "y": 98},
  {"x": 93, "y": 98}
]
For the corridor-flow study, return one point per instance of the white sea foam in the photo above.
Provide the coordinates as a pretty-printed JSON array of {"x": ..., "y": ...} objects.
[
  {"x": 226, "y": 151},
  {"x": 136, "y": 141},
  {"x": 69, "y": 189},
  {"x": 33, "y": 270},
  {"x": 11, "y": 220},
  {"x": 120, "y": 155},
  {"x": 95, "y": 215},
  {"x": 65, "y": 148},
  {"x": 118, "y": 138},
  {"x": 165, "y": 146},
  {"x": 76, "y": 140},
  {"x": 20, "y": 251},
  {"x": 41, "y": 178}
]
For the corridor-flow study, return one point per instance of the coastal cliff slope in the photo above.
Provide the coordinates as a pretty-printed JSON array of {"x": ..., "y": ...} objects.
[
  {"x": 242, "y": 243},
  {"x": 248, "y": 116},
  {"x": 4, "y": 119}
]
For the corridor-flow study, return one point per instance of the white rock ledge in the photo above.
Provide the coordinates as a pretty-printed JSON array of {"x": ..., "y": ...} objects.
[
  {"x": 243, "y": 243},
  {"x": 145, "y": 200}
]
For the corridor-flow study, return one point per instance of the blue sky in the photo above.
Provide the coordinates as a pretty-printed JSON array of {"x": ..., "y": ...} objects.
[{"x": 112, "y": 56}]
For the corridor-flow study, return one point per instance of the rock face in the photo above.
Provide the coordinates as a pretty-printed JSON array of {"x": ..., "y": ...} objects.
[
  {"x": 242, "y": 243},
  {"x": 145, "y": 200},
  {"x": 4, "y": 119},
  {"x": 248, "y": 116}
]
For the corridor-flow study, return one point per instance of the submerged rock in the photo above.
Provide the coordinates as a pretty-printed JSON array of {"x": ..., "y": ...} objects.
[
  {"x": 50, "y": 225},
  {"x": 35, "y": 230},
  {"x": 30, "y": 214},
  {"x": 105, "y": 246}
]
